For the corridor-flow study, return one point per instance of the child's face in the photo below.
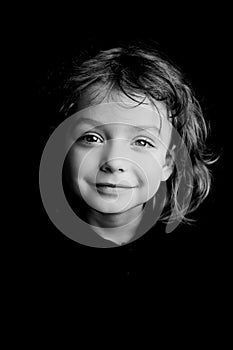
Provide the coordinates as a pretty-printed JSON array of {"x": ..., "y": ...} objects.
[{"x": 113, "y": 146}]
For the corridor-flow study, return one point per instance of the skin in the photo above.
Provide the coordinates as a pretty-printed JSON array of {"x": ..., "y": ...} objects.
[{"x": 116, "y": 152}]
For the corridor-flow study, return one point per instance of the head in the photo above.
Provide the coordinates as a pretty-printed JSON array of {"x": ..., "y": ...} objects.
[
  {"x": 128, "y": 100},
  {"x": 121, "y": 143}
]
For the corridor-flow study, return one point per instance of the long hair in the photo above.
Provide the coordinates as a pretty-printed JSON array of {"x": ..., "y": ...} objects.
[{"x": 137, "y": 69}]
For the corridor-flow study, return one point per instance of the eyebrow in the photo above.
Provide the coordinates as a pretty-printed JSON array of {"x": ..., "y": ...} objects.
[{"x": 96, "y": 123}]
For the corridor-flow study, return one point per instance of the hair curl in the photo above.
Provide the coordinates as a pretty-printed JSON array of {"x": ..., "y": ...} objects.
[{"x": 141, "y": 69}]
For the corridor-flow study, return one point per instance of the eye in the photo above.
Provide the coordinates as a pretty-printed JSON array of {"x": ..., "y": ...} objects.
[
  {"x": 89, "y": 138},
  {"x": 145, "y": 142}
]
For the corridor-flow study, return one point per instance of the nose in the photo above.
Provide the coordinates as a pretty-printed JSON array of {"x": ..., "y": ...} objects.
[
  {"x": 112, "y": 166},
  {"x": 113, "y": 159}
]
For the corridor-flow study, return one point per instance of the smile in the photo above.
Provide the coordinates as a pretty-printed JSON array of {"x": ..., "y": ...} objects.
[
  {"x": 107, "y": 184},
  {"x": 111, "y": 188}
]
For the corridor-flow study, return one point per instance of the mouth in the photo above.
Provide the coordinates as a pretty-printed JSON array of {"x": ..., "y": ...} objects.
[
  {"x": 111, "y": 189},
  {"x": 106, "y": 184}
]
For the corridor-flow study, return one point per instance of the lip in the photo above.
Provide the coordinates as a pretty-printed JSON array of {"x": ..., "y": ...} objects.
[
  {"x": 111, "y": 189},
  {"x": 111, "y": 185},
  {"x": 114, "y": 191}
]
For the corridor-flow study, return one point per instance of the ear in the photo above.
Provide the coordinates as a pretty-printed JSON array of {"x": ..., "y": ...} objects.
[{"x": 169, "y": 164}]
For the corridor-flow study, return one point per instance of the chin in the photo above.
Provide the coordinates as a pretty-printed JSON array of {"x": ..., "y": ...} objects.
[
  {"x": 113, "y": 208},
  {"x": 110, "y": 204}
]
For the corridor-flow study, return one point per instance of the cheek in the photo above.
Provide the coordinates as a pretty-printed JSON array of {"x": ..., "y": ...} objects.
[
  {"x": 81, "y": 164},
  {"x": 153, "y": 176}
]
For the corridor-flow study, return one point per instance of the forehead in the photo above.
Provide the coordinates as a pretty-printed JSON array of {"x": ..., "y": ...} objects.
[{"x": 120, "y": 109}]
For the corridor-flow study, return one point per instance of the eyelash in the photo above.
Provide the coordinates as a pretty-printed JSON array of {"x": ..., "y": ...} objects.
[{"x": 88, "y": 135}]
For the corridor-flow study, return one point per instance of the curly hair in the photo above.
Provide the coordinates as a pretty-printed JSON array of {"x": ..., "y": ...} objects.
[{"x": 138, "y": 69}]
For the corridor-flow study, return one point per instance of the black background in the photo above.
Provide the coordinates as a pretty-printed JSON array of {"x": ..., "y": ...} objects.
[{"x": 199, "y": 43}]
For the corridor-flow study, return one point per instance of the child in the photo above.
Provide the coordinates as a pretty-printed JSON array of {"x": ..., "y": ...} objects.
[{"x": 138, "y": 136}]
